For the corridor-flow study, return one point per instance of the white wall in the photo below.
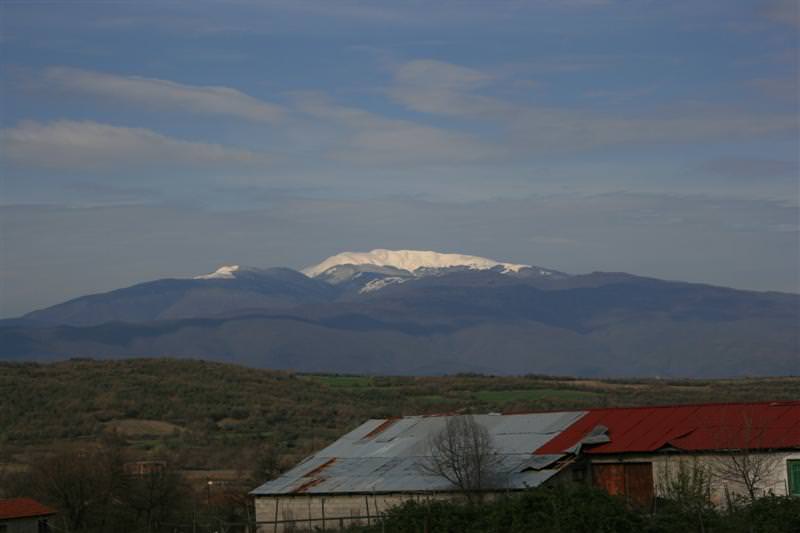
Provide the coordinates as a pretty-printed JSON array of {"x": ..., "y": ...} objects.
[
  {"x": 666, "y": 465},
  {"x": 303, "y": 506}
]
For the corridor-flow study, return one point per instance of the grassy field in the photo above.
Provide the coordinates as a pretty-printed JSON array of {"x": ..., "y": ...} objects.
[
  {"x": 502, "y": 397},
  {"x": 212, "y": 415}
]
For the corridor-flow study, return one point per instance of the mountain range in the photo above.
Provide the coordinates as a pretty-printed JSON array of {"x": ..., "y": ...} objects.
[{"x": 419, "y": 312}]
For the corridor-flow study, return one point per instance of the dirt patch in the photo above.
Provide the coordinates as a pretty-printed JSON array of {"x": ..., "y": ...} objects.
[
  {"x": 133, "y": 427},
  {"x": 596, "y": 384}
]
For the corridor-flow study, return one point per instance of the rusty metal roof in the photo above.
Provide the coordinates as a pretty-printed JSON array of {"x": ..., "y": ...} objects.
[
  {"x": 703, "y": 427},
  {"x": 22, "y": 508},
  {"x": 386, "y": 455}
]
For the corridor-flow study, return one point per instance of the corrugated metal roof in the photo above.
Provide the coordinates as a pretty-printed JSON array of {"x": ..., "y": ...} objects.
[
  {"x": 386, "y": 455},
  {"x": 770, "y": 425}
]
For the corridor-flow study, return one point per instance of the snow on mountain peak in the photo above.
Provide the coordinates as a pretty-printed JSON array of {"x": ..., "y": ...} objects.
[
  {"x": 223, "y": 272},
  {"x": 409, "y": 260}
]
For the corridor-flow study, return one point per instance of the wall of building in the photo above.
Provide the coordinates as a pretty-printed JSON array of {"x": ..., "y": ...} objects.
[
  {"x": 667, "y": 466},
  {"x": 21, "y": 525},
  {"x": 337, "y": 508}
]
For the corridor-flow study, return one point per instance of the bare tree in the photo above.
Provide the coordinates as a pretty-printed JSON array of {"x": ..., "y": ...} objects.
[
  {"x": 463, "y": 454},
  {"x": 748, "y": 468},
  {"x": 744, "y": 461},
  {"x": 82, "y": 484},
  {"x": 154, "y": 497}
]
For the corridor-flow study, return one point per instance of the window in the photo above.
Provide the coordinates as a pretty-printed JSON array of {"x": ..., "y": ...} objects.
[{"x": 793, "y": 467}]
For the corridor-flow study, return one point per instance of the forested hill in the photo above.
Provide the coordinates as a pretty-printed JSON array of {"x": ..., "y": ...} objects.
[{"x": 157, "y": 404}]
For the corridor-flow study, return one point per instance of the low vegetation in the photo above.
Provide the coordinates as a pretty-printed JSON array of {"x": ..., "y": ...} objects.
[
  {"x": 580, "y": 509},
  {"x": 218, "y": 416}
]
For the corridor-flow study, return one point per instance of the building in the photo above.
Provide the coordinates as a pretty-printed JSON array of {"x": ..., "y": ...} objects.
[
  {"x": 631, "y": 452},
  {"x": 380, "y": 464},
  {"x": 24, "y": 515},
  {"x": 635, "y": 452},
  {"x": 144, "y": 468}
]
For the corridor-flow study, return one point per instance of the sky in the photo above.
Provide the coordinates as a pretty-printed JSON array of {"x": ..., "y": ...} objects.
[{"x": 142, "y": 140}]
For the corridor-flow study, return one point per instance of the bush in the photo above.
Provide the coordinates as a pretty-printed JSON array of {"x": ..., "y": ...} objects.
[
  {"x": 769, "y": 514},
  {"x": 551, "y": 510},
  {"x": 583, "y": 509}
]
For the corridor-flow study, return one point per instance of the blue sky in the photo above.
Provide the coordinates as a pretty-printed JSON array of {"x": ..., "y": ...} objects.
[{"x": 152, "y": 139}]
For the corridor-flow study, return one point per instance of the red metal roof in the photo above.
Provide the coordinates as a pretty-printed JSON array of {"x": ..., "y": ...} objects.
[
  {"x": 770, "y": 425},
  {"x": 22, "y": 508}
]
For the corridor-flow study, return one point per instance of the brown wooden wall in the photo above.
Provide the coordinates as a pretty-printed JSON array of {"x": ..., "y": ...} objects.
[{"x": 634, "y": 481}]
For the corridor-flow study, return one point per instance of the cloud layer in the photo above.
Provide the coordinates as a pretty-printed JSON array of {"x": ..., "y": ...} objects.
[
  {"x": 86, "y": 145},
  {"x": 165, "y": 94}
]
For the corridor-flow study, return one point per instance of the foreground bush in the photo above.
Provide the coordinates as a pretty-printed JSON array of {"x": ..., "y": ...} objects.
[
  {"x": 577, "y": 509},
  {"x": 583, "y": 509},
  {"x": 770, "y": 514}
]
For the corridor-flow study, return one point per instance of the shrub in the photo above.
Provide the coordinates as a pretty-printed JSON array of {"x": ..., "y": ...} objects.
[
  {"x": 549, "y": 510},
  {"x": 768, "y": 514}
]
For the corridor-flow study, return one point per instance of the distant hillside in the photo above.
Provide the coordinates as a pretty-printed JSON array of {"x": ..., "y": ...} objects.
[
  {"x": 207, "y": 409},
  {"x": 423, "y": 313}
]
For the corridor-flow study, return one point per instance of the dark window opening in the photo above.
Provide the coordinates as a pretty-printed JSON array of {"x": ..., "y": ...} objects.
[{"x": 793, "y": 467}]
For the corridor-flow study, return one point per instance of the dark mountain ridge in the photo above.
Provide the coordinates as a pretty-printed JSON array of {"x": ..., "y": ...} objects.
[{"x": 385, "y": 320}]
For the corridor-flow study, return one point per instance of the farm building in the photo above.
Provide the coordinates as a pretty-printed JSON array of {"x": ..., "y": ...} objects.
[
  {"x": 24, "y": 515},
  {"x": 631, "y": 452},
  {"x": 380, "y": 464},
  {"x": 635, "y": 452}
]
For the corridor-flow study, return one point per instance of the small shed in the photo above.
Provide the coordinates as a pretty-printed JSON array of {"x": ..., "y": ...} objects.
[{"x": 24, "y": 515}]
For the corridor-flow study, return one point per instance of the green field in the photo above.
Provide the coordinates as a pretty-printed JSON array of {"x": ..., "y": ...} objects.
[
  {"x": 533, "y": 395},
  {"x": 343, "y": 381}
]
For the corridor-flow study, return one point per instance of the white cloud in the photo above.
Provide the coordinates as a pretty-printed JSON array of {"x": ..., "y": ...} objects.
[
  {"x": 88, "y": 145},
  {"x": 562, "y": 129},
  {"x": 433, "y": 73},
  {"x": 440, "y": 88},
  {"x": 431, "y": 86},
  {"x": 364, "y": 137},
  {"x": 164, "y": 94}
]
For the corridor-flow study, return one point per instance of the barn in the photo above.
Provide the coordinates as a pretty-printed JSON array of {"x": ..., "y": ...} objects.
[
  {"x": 635, "y": 452},
  {"x": 631, "y": 452},
  {"x": 380, "y": 464}
]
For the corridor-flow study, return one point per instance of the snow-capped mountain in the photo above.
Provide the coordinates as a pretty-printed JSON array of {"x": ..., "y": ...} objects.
[
  {"x": 411, "y": 312},
  {"x": 410, "y": 261},
  {"x": 229, "y": 272},
  {"x": 371, "y": 271}
]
